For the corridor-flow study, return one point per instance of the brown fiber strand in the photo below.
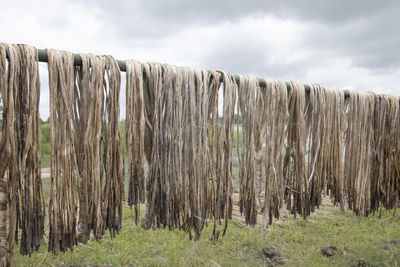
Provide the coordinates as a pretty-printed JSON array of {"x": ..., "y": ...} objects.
[
  {"x": 195, "y": 150},
  {"x": 264, "y": 114},
  {"x": 275, "y": 108},
  {"x": 151, "y": 91},
  {"x": 249, "y": 98},
  {"x": 316, "y": 124},
  {"x": 385, "y": 182},
  {"x": 84, "y": 112},
  {"x": 332, "y": 149},
  {"x": 84, "y": 106},
  {"x": 93, "y": 146},
  {"x": 9, "y": 99},
  {"x": 134, "y": 134},
  {"x": 96, "y": 117},
  {"x": 178, "y": 188},
  {"x": 295, "y": 168},
  {"x": 112, "y": 164},
  {"x": 4, "y": 158},
  {"x": 223, "y": 165},
  {"x": 89, "y": 109},
  {"x": 326, "y": 123},
  {"x": 8, "y": 185},
  {"x": 358, "y": 153},
  {"x": 20, "y": 149},
  {"x": 214, "y": 153},
  {"x": 28, "y": 160},
  {"x": 64, "y": 171}
]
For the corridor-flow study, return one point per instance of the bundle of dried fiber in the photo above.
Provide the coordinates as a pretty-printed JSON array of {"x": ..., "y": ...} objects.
[
  {"x": 164, "y": 203},
  {"x": 96, "y": 118},
  {"x": 385, "y": 184},
  {"x": 175, "y": 82},
  {"x": 134, "y": 134},
  {"x": 223, "y": 164},
  {"x": 81, "y": 116},
  {"x": 27, "y": 163},
  {"x": 64, "y": 171},
  {"x": 4, "y": 158},
  {"x": 177, "y": 185},
  {"x": 88, "y": 116},
  {"x": 295, "y": 169},
  {"x": 196, "y": 160},
  {"x": 8, "y": 148},
  {"x": 275, "y": 109},
  {"x": 151, "y": 93},
  {"x": 358, "y": 152},
  {"x": 332, "y": 148},
  {"x": 151, "y": 88},
  {"x": 251, "y": 110},
  {"x": 214, "y": 151},
  {"x": 20, "y": 148},
  {"x": 315, "y": 127},
  {"x": 112, "y": 163}
]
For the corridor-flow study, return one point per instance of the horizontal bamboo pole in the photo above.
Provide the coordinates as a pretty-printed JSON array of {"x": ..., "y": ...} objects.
[{"x": 122, "y": 66}]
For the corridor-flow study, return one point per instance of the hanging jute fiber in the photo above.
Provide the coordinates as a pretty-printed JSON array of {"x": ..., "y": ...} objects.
[
  {"x": 8, "y": 75},
  {"x": 251, "y": 129},
  {"x": 63, "y": 163},
  {"x": 358, "y": 153},
  {"x": 99, "y": 158},
  {"x": 264, "y": 114},
  {"x": 20, "y": 151},
  {"x": 385, "y": 173},
  {"x": 89, "y": 110},
  {"x": 330, "y": 166},
  {"x": 295, "y": 168},
  {"x": 178, "y": 154},
  {"x": 134, "y": 134},
  {"x": 28, "y": 144},
  {"x": 151, "y": 92},
  {"x": 275, "y": 110},
  {"x": 316, "y": 124},
  {"x": 84, "y": 123},
  {"x": 112, "y": 167},
  {"x": 325, "y": 123},
  {"x": 224, "y": 133}
]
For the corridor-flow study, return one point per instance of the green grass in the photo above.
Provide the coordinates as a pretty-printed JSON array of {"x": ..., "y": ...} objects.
[
  {"x": 300, "y": 242},
  {"x": 45, "y": 149}
]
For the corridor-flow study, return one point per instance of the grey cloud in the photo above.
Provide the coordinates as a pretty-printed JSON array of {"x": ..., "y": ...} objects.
[
  {"x": 242, "y": 59},
  {"x": 250, "y": 54},
  {"x": 364, "y": 30},
  {"x": 163, "y": 17},
  {"x": 371, "y": 42}
]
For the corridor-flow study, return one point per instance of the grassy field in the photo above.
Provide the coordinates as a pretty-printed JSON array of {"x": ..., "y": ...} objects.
[{"x": 300, "y": 242}]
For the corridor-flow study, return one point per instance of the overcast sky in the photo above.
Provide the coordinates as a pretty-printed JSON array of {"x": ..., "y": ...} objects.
[{"x": 352, "y": 44}]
